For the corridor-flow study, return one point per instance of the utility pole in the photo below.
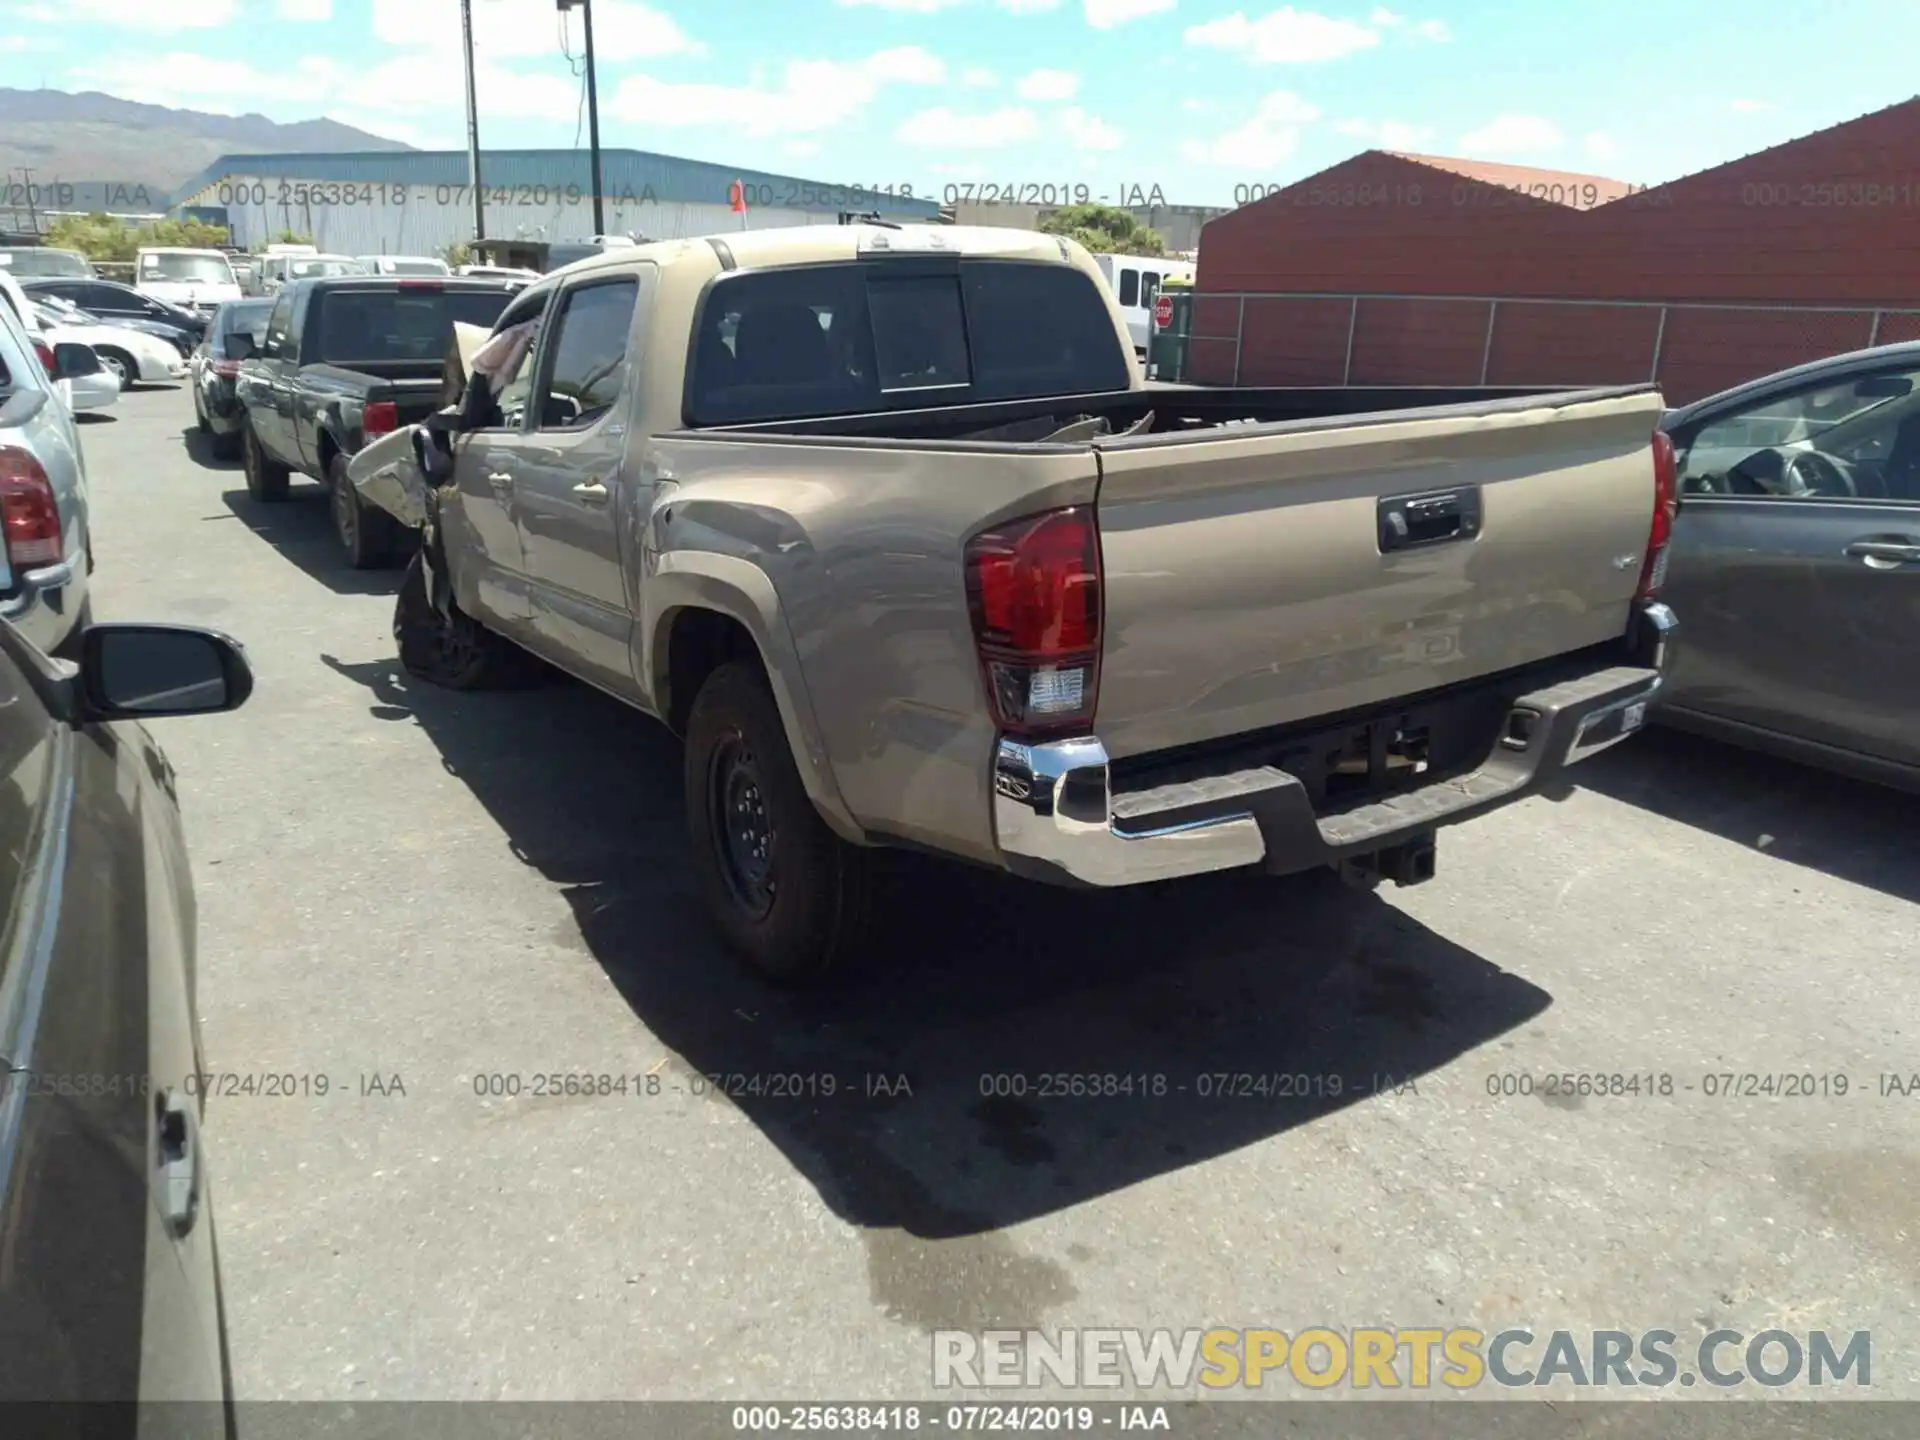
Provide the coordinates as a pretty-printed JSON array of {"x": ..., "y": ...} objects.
[
  {"x": 473, "y": 125},
  {"x": 593, "y": 111},
  {"x": 33, "y": 219}
]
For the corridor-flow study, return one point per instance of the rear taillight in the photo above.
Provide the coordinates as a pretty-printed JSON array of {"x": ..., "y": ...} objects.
[
  {"x": 382, "y": 417},
  {"x": 1033, "y": 589},
  {"x": 43, "y": 352},
  {"x": 1666, "y": 503},
  {"x": 29, "y": 515},
  {"x": 226, "y": 369}
]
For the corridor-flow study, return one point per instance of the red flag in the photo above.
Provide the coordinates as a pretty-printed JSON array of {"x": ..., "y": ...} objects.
[{"x": 737, "y": 198}]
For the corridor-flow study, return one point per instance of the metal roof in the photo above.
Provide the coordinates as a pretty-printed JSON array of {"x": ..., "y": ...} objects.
[
  {"x": 631, "y": 174},
  {"x": 1548, "y": 185}
]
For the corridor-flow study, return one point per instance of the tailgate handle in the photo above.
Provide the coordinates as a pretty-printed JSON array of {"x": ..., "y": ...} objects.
[{"x": 1406, "y": 521}]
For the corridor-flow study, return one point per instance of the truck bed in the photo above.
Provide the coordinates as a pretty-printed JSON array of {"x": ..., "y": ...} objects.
[{"x": 1254, "y": 576}]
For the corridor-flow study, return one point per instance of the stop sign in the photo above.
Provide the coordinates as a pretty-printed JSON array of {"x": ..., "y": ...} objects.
[{"x": 1163, "y": 311}]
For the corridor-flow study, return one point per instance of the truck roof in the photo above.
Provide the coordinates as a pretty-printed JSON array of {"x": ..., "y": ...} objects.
[{"x": 813, "y": 244}]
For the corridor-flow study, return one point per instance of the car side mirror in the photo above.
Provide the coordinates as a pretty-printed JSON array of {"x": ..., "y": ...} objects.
[
  {"x": 71, "y": 362},
  {"x": 141, "y": 672}
]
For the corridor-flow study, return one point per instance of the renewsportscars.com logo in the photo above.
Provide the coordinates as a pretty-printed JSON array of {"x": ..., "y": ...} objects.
[{"x": 1392, "y": 1358}]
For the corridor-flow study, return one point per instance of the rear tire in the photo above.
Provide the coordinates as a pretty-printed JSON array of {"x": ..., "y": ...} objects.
[
  {"x": 266, "y": 480},
  {"x": 454, "y": 652},
  {"x": 200, "y": 421},
  {"x": 125, "y": 369},
  {"x": 225, "y": 447},
  {"x": 368, "y": 536},
  {"x": 788, "y": 894}
]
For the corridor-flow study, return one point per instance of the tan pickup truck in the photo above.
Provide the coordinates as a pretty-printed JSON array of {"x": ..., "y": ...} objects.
[{"x": 887, "y": 524}]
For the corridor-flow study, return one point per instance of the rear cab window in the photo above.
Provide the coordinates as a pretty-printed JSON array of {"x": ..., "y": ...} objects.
[
  {"x": 398, "y": 324},
  {"x": 850, "y": 337}
]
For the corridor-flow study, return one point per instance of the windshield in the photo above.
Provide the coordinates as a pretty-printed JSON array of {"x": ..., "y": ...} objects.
[
  {"x": 26, "y": 261},
  {"x": 186, "y": 268},
  {"x": 323, "y": 265}
]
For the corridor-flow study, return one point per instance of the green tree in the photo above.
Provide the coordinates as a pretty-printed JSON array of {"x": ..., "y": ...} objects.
[
  {"x": 1104, "y": 229},
  {"x": 288, "y": 237},
  {"x": 108, "y": 238},
  {"x": 457, "y": 254}
]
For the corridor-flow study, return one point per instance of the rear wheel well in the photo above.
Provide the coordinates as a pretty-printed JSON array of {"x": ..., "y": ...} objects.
[
  {"x": 326, "y": 450},
  {"x": 700, "y": 642}
]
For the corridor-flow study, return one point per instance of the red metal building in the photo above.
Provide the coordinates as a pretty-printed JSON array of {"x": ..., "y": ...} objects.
[{"x": 1396, "y": 269}]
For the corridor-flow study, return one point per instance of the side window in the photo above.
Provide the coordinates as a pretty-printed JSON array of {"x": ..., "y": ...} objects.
[
  {"x": 1855, "y": 437},
  {"x": 513, "y": 395},
  {"x": 1129, "y": 287},
  {"x": 277, "y": 324},
  {"x": 584, "y": 368}
]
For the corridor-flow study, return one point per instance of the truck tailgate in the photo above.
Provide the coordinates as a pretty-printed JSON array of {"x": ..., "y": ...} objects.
[{"x": 1260, "y": 576}]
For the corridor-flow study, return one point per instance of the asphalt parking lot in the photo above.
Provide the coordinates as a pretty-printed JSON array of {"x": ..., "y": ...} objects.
[{"x": 404, "y": 891}]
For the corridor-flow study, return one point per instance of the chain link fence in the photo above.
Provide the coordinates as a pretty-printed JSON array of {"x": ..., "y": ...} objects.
[{"x": 1688, "y": 349}]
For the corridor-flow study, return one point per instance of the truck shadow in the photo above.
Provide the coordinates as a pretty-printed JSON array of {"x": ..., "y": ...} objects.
[
  {"x": 301, "y": 529},
  {"x": 918, "y": 1100},
  {"x": 1864, "y": 834},
  {"x": 199, "y": 448}
]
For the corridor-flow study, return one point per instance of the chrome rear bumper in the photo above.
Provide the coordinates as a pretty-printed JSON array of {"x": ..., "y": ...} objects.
[{"x": 1057, "y": 817}]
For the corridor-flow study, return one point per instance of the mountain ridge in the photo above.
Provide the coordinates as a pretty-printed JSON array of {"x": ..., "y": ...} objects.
[{"x": 89, "y": 135}]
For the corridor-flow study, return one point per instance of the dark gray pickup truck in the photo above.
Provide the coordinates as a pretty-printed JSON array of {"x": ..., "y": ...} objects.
[{"x": 347, "y": 359}]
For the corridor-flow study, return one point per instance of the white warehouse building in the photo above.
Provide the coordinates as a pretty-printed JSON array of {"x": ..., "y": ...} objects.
[{"x": 420, "y": 202}]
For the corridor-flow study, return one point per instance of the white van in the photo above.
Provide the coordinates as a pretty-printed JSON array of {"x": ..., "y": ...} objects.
[
  {"x": 1135, "y": 280},
  {"x": 198, "y": 280}
]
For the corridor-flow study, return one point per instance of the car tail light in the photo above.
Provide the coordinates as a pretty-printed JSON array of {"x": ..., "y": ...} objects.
[
  {"x": 43, "y": 352},
  {"x": 29, "y": 515},
  {"x": 382, "y": 417},
  {"x": 226, "y": 369},
  {"x": 1666, "y": 503},
  {"x": 1034, "y": 593}
]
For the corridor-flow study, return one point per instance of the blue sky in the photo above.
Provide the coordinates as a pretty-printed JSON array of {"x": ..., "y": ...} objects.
[{"x": 1199, "y": 98}]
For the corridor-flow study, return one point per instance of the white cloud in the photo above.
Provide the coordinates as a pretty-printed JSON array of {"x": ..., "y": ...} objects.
[
  {"x": 1050, "y": 85},
  {"x": 1749, "y": 106},
  {"x": 622, "y": 30},
  {"x": 1086, "y": 131},
  {"x": 1196, "y": 107},
  {"x": 1387, "y": 134},
  {"x": 1028, "y": 7},
  {"x": 1385, "y": 19},
  {"x": 309, "y": 11},
  {"x": 1106, "y": 14},
  {"x": 135, "y": 14},
  {"x": 811, "y": 95},
  {"x": 1513, "y": 135},
  {"x": 1434, "y": 30},
  {"x": 1285, "y": 37},
  {"x": 944, "y": 129},
  {"x": 979, "y": 78},
  {"x": 1266, "y": 139},
  {"x": 917, "y": 7},
  {"x": 1602, "y": 146}
]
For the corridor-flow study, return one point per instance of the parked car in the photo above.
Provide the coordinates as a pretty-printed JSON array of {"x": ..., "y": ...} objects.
[
  {"x": 237, "y": 330},
  {"x": 1796, "y": 560},
  {"x": 80, "y": 380},
  {"x": 46, "y": 550},
  {"x": 403, "y": 265},
  {"x": 196, "y": 280},
  {"x": 113, "y": 302},
  {"x": 1112, "y": 635},
  {"x": 68, "y": 313},
  {"x": 278, "y": 271},
  {"x": 134, "y": 357},
  {"x": 25, "y": 261},
  {"x": 111, "y": 1288},
  {"x": 347, "y": 359}
]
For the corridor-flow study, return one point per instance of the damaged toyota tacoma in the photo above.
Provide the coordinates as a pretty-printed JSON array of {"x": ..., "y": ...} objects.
[{"x": 888, "y": 526}]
